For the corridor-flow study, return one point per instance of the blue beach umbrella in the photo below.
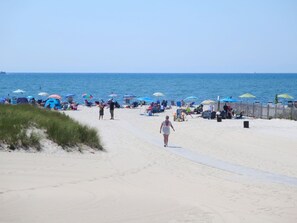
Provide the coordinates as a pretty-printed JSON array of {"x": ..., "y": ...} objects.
[
  {"x": 30, "y": 97},
  {"x": 145, "y": 99},
  {"x": 69, "y": 95},
  {"x": 129, "y": 96},
  {"x": 228, "y": 100},
  {"x": 190, "y": 98}
]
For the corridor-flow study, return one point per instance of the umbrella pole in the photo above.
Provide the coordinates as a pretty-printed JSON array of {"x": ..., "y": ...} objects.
[{"x": 218, "y": 103}]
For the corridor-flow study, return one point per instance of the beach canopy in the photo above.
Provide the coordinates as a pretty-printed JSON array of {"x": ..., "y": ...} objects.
[
  {"x": 56, "y": 96},
  {"x": 146, "y": 99},
  {"x": 53, "y": 103},
  {"x": 19, "y": 91},
  {"x": 43, "y": 94},
  {"x": 158, "y": 94},
  {"x": 87, "y": 96},
  {"x": 247, "y": 95},
  {"x": 286, "y": 96},
  {"x": 228, "y": 100},
  {"x": 208, "y": 102},
  {"x": 22, "y": 101},
  {"x": 190, "y": 98}
]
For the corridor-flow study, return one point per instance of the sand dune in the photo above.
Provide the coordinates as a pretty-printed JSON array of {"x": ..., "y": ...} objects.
[{"x": 211, "y": 172}]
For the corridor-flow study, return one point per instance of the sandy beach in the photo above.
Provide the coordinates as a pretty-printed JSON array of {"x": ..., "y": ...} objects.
[{"x": 210, "y": 172}]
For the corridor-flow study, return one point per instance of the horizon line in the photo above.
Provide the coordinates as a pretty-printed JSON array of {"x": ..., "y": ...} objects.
[{"x": 69, "y": 72}]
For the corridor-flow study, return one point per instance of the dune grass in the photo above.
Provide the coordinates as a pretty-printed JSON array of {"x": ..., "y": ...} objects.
[{"x": 17, "y": 122}]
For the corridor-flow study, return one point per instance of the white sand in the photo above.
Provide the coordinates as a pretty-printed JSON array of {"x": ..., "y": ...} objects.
[{"x": 211, "y": 172}]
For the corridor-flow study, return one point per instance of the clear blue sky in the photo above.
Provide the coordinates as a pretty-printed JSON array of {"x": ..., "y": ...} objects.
[{"x": 148, "y": 36}]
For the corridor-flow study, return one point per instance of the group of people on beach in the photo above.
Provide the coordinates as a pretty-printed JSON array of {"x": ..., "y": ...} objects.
[{"x": 102, "y": 105}]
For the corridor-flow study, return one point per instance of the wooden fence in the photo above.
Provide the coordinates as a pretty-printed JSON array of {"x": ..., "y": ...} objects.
[{"x": 264, "y": 111}]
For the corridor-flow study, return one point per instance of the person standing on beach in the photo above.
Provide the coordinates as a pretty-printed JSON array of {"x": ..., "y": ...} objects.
[
  {"x": 165, "y": 128},
  {"x": 111, "y": 109},
  {"x": 101, "y": 110}
]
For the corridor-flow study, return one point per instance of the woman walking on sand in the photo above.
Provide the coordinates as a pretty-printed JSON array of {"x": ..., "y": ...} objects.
[{"x": 165, "y": 128}]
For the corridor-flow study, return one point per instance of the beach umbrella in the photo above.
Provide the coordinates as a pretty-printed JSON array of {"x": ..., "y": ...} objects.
[
  {"x": 30, "y": 97},
  {"x": 208, "y": 102},
  {"x": 43, "y": 94},
  {"x": 19, "y": 91},
  {"x": 69, "y": 95},
  {"x": 146, "y": 99},
  {"x": 87, "y": 96},
  {"x": 112, "y": 95},
  {"x": 129, "y": 96},
  {"x": 286, "y": 96},
  {"x": 158, "y": 94},
  {"x": 228, "y": 100},
  {"x": 190, "y": 98},
  {"x": 56, "y": 96},
  {"x": 247, "y": 95}
]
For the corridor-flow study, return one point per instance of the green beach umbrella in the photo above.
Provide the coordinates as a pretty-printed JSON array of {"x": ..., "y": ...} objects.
[
  {"x": 286, "y": 96},
  {"x": 247, "y": 95}
]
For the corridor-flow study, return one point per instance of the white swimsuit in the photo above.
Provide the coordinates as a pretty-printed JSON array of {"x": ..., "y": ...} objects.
[{"x": 166, "y": 129}]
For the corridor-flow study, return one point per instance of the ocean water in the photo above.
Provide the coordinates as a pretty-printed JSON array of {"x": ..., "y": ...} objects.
[{"x": 174, "y": 86}]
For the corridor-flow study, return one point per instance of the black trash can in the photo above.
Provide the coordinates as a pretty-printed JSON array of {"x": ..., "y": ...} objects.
[
  {"x": 219, "y": 118},
  {"x": 245, "y": 124}
]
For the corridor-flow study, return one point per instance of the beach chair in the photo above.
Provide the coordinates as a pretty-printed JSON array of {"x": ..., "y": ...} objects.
[
  {"x": 179, "y": 115},
  {"x": 88, "y": 103},
  {"x": 239, "y": 116}
]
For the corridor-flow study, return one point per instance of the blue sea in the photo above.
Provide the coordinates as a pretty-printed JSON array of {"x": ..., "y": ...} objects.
[{"x": 174, "y": 86}]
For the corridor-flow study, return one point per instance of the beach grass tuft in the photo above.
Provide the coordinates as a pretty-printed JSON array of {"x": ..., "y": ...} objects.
[{"x": 17, "y": 125}]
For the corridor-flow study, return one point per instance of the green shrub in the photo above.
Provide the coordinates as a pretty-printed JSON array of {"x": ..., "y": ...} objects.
[{"x": 16, "y": 122}]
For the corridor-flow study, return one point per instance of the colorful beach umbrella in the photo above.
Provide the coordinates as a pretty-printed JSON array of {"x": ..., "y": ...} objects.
[
  {"x": 43, "y": 94},
  {"x": 56, "y": 96},
  {"x": 87, "y": 96},
  {"x": 286, "y": 96},
  {"x": 247, "y": 95},
  {"x": 19, "y": 91}
]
